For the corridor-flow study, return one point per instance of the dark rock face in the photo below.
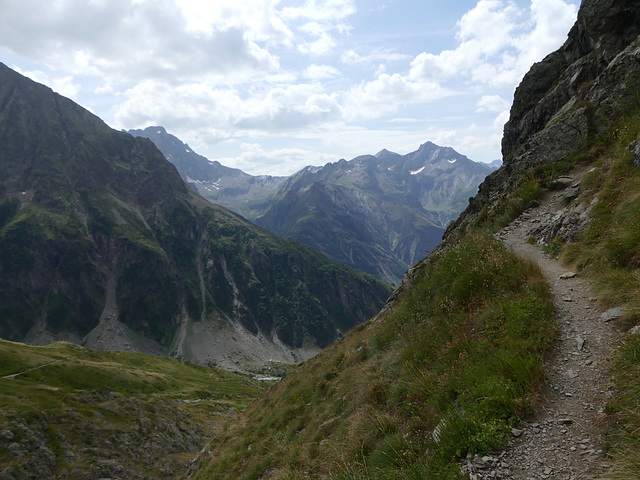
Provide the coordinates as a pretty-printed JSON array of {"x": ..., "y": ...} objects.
[
  {"x": 96, "y": 226},
  {"x": 565, "y": 83},
  {"x": 575, "y": 93}
]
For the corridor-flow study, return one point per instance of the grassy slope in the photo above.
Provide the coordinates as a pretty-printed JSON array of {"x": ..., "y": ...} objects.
[
  {"x": 76, "y": 399},
  {"x": 460, "y": 354},
  {"x": 462, "y": 350}
]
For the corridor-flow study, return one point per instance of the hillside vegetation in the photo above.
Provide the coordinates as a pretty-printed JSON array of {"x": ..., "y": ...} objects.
[
  {"x": 455, "y": 358},
  {"x": 66, "y": 410},
  {"x": 607, "y": 252},
  {"x": 452, "y": 362},
  {"x": 461, "y": 353}
]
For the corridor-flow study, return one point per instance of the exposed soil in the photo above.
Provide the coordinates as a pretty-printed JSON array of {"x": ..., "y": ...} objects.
[{"x": 564, "y": 439}]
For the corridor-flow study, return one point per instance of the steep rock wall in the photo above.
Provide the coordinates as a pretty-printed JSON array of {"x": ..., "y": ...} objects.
[{"x": 575, "y": 93}]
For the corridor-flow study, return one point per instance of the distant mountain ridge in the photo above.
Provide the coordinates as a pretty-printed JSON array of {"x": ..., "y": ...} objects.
[
  {"x": 248, "y": 195},
  {"x": 378, "y": 213},
  {"x": 102, "y": 243}
]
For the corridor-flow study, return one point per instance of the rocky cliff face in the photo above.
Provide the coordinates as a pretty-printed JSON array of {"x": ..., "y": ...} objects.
[
  {"x": 574, "y": 94},
  {"x": 102, "y": 243},
  {"x": 563, "y": 104}
]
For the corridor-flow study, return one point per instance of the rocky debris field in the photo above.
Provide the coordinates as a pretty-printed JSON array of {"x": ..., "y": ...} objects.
[{"x": 564, "y": 439}]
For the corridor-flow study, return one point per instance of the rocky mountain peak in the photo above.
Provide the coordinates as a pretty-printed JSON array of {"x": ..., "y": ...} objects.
[{"x": 384, "y": 153}]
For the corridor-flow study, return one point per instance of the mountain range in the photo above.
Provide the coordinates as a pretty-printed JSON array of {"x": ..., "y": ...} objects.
[
  {"x": 463, "y": 367},
  {"x": 470, "y": 360},
  {"x": 378, "y": 213},
  {"x": 103, "y": 244}
]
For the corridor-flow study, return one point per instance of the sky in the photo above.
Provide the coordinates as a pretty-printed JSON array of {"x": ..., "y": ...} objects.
[{"x": 271, "y": 86}]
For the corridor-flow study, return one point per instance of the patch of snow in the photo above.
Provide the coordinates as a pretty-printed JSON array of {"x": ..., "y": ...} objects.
[
  {"x": 187, "y": 150},
  {"x": 415, "y": 172},
  {"x": 159, "y": 132},
  {"x": 452, "y": 161}
]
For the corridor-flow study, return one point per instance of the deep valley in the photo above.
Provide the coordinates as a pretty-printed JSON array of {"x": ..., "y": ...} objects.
[{"x": 150, "y": 333}]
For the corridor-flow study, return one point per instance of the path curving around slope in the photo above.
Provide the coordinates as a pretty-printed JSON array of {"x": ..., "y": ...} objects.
[{"x": 564, "y": 440}]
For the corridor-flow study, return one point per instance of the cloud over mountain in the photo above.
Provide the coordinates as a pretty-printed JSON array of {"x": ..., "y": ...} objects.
[{"x": 224, "y": 74}]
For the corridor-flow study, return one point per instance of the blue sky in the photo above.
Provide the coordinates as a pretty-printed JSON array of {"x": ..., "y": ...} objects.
[{"x": 270, "y": 86}]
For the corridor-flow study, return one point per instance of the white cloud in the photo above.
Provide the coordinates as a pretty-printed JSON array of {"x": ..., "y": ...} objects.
[
  {"x": 215, "y": 114},
  {"x": 494, "y": 51},
  {"x": 492, "y": 103},
  {"x": 321, "y": 72},
  {"x": 495, "y": 103},
  {"x": 386, "y": 56},
  {"x": 280, "y": 161},
  {"x": 133, "y": 41},
  {"x": 331, "y": 11},
  {"x": 291, "y": 108},
  {"x": 551, "y": 18},
  {"x": 387, "y": 93},
  {"x": 406, "y": 120},
  {"x": 501, "y": 119},
  {"x": 315, "y": 20},
  {"x": 220, "y": 73},
  {"x": 497, "y": 46},
  {"x": 322, "y": 46},
  {"x": 199, "y": 108},
  {"x": 259, "y": 19},
  {"x": 105, "y": 90}
]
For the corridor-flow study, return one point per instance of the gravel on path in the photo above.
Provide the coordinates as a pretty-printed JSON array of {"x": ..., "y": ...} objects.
[{"x": 565, "y": 438}]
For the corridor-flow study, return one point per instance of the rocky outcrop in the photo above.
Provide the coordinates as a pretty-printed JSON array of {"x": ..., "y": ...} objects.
[
  {"x": 68, "y": 445},
  {"x": 101, "y": 242},
  {"x": 567, "y": 99},
  {"x": 562, "y": 104}
]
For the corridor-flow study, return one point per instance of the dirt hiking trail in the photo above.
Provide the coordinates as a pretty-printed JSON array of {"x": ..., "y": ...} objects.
[{"x": 564, "y": 439}]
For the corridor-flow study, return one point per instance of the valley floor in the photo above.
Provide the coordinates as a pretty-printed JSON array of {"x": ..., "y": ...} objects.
[{"x": 565, "y": 438}]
